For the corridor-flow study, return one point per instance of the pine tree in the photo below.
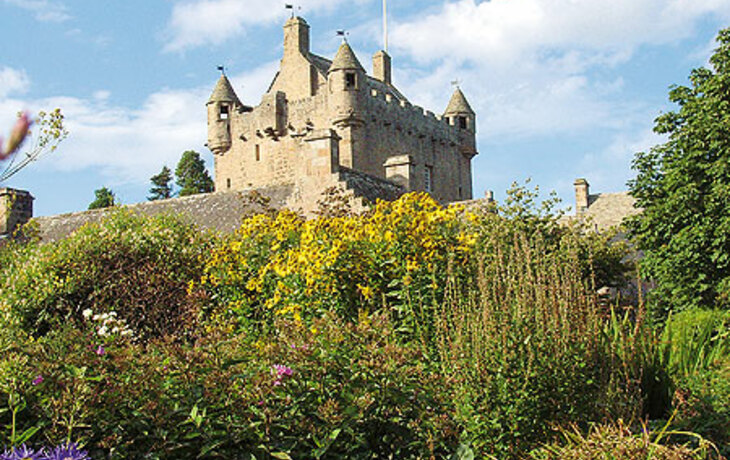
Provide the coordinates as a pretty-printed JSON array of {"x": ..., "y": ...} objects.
[
  {"x": 104, "y": 199},
  {"x": 192, "y": 177},
  {"x": 161, "y": 188}
]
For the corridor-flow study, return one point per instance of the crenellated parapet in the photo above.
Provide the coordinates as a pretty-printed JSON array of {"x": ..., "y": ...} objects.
[{"x": 373, "y": 126}]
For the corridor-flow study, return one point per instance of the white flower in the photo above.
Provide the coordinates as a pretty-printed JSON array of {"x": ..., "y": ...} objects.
[
  {"x": 102, "y": 331},
  {"x": 87, "y": 313}
]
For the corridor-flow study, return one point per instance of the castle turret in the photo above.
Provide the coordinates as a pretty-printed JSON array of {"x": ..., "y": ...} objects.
[
  {"x": 223, "y": 103},
  {"x": 347, "y": 85},
  {"x": 459, "y": 112}
]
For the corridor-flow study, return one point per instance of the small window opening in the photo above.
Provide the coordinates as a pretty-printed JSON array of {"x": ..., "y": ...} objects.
[
  {"x": 224, "y": 112},
  {"x": 350, "y": 80},
  {"x": 460, "y": 192},
  {"x": 258, "y": 152},
  {"x": 463, "y": 123},
  {"x": 228, "y": 183},
  {"x": 428, "y": 176}
]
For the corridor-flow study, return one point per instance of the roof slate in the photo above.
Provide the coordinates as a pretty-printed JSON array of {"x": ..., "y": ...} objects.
[
  {"x": 224, "y": 92},
  {"x": 346, "y": 59},
  {"x": 459, "y": 104}
]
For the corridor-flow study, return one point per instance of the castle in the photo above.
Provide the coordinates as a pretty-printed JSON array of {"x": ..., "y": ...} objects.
[
  {"x": 320, "y": 117},
  {"x": 321, "y": 125}
]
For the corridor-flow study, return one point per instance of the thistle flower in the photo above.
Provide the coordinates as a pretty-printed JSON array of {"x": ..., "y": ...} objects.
[
  {"x": 17, "y": 136},
  {"x": 101, "y": 351},
  {"x": 22, "y": 453},
  {"x": 67, "y": 452},
  {"x": 37, "y": 381}
]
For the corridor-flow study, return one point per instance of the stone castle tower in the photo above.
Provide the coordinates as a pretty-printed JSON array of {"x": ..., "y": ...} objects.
[{"x": 322, "y": 117}]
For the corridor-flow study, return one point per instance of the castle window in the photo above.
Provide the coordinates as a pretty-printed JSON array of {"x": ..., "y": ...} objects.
[
  {"x": 428, "y": 179},
  {"x": 258, "y": 152},
  {"x": 463, "y": 123},
  {"x": 350, "y": 80},
  {"x": 228, "y": 183},
  {"x": 223, "y": 113}
]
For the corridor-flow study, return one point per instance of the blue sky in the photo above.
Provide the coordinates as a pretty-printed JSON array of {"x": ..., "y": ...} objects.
[{"x": 562, "y": 88}]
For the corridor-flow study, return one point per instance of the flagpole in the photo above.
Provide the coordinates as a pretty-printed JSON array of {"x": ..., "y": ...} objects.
[{"x": 385, "y": 25}]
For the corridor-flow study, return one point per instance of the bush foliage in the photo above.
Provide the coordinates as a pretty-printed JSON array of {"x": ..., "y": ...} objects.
[{"x": 412, "y": 331}]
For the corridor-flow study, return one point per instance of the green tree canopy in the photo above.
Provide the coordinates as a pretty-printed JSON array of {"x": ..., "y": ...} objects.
[
  {"x": 104, "y": 199},
  {"x": 161, "y": 187},
  {"x": 683, "y": 186},
  {"x": 192, "y": 177}
]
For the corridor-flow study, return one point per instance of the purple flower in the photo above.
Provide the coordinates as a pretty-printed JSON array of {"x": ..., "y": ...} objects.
[
  {"x": 101, "y": 351},
  {"x": 22, "y": 453},
  {"x": 37, "y": 381},
  {"x": 67, "y": 452}
]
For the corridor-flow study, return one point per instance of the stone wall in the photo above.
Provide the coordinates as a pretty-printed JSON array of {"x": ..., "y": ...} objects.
[
  {"x": 221, "y": 212},
  {"x": 16, "y": 208}
]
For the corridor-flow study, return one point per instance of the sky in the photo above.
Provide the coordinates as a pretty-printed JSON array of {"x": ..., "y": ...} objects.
[{"x": 562, "y": 88}]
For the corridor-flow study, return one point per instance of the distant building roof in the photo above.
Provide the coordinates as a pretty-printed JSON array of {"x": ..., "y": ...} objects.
[{"x": 606, "y": 210}]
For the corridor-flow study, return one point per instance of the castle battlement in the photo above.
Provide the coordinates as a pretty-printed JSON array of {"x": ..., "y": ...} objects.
[{"x": 374, "y": 129}]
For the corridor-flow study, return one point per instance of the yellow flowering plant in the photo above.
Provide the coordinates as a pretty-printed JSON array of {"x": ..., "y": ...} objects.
[{"x": 286, "y": 266}]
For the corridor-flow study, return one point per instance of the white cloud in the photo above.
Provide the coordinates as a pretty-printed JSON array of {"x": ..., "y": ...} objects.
[
  {"x": 501, "y": 30},
  {"x": 12, "y": 81},
  {"x": 130, "y": 145},
  {"x": 540, "y": 67},
  {"x": 212, "y": 22},
  {"x": 44, "y": 10}
]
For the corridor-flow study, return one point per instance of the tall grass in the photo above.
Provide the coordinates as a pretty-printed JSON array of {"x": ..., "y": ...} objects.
[{"x": 527, "y": 342}]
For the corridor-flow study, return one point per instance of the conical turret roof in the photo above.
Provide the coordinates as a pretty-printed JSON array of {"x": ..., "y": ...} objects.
[
  {"x": 345, "y": 59},
  {"x": 459, "y": 104},
  {"x": 224, "y": 92}
]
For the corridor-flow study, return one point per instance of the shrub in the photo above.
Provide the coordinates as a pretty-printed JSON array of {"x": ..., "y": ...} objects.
[
  {"x": 138, "y": 267},
  {"x": 275, "y": 266},
  {"x": 336, "y": 390},
  {"x": 525, "y": 339}
]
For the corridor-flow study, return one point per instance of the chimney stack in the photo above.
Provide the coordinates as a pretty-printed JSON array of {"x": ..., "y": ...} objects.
[
  {"x": 382, "y": 67},
  {"x": 581, "y": 196}
]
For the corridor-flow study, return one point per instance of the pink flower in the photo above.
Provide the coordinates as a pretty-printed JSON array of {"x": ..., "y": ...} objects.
[
  {"x": 101, "y": 351},
  {"x": 282, "y": 371},
  {"x": 17, "y": 136},
  {"x": 37, "y": 381}
]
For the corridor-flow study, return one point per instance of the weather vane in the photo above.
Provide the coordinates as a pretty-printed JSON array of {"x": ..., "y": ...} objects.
[
  {"x": 222, "y": 70},
  {"x": 292, "y": 7},
  {"x": 456, "y": 83},
  {"x": 343, "y": 33}
]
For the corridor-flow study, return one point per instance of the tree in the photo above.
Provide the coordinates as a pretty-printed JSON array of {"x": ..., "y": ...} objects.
[
  {"x": 49, "y": 133},
  {"x": 161, "y": 188},
  {"x": 104, "y": 199},
  {"x": 192, "y": 177},
  {"x": 683, "y": 186}
]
